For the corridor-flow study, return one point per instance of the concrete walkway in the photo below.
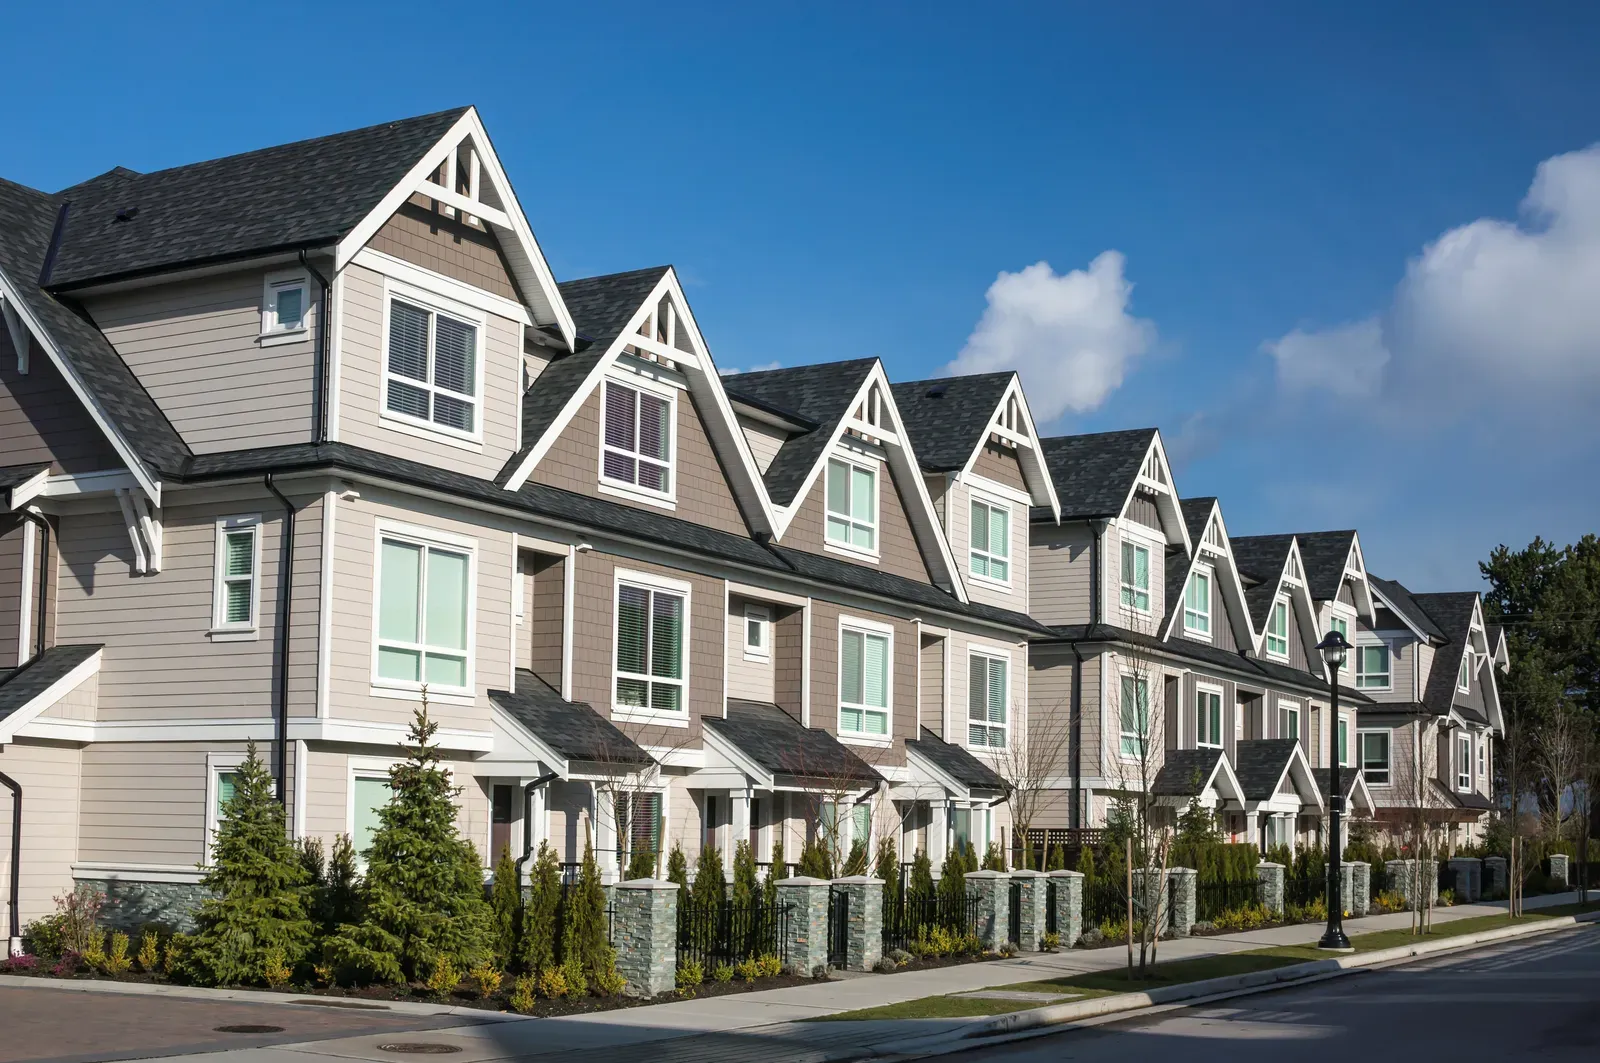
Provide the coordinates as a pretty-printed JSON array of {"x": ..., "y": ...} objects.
[{"x": 763, "y": 1025}]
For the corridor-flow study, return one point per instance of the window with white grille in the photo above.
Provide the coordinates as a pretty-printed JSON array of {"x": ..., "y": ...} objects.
[
  {"x": 431, "y": 368},
  {"x": 637, "y": 444}
]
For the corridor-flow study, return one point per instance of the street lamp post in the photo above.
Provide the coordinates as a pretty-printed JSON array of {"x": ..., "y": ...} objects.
[{"x": 1334, "y": 648}]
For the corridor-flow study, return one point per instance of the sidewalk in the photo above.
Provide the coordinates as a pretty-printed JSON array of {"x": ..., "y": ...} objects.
[{"x": 765, "y": 1024}]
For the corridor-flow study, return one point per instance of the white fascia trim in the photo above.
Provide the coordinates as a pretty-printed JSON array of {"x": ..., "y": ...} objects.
[
  {"x": 1042, "y": 487},
  {"x": 330, "y": 504},
  {"x": 439, "y": 285},
  {"x": 530, "y": 743},
  {"x": 533, "y": 276},
  {"x": 1411, "y": 625},
  {"x": 48, "y": 697},
  {"x": 262, "y": 729},
  {"x": 30, "y": 489},
  {"x": 737, "y": 759},
  {"x": 1167, "y": 500},
  {"x": 74, "y": 485},
  {"x": 1230, "y": 788},
  {"x": 1355, "y": 567},
  {"x": 936, "y": 776},
  {"x": 151, "y": 485}
]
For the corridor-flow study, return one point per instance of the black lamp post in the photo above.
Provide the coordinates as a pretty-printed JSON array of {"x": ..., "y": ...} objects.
[{"x": 1334, "y": 648}]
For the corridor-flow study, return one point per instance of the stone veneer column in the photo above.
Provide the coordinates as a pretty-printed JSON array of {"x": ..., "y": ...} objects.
[
  {"x": 806, "y": 935},
  {"x": 1031, "y": 918},
  {"x": 1494, "y": 876},
  {"x": 864, "y": 935},
  {"x": 647, "y": 935},
  {"x": 993, "y": 891},
  {"x": 1358, "y": 888},
  {"x": 1558, "y": 869},
  {"x": 1270, "y": 877},
  {"x": 1185, "y": 882},
  {"x": 1069, "y": 906},
  {"x": 1468, "y": 875}
]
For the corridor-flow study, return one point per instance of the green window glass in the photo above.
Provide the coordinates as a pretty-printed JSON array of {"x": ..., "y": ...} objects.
[
  {"x": 1208, "y": 718},
  {"x": 1344, "y": 743},
  {"x": 863, "y": 682},
  {"x": 991, "y": 541},
  {"x": 371, "y": 794},
  {"x": 1278, "y": 629},
  {"x": 1136, "y": 577},
  {"x": 1372, "y": 667},
  {"x": 1197, "y": 604},
  {"x": 423, "y": 598},
  {"x": 649, "y": 648},
  {"x": 987, "y": 699},
  {"x": 1375, "y": 757},
  {"x": 227, "y": 782},
  {"x": 237, "y": 607},
  {"x": 852, "y": 494},
  {"x": 1134, "y": 714}
]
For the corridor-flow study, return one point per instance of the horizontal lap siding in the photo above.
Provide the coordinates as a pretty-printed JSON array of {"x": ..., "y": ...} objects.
[
  {"x": 1059, "y": 573},
  {"x": 751, "y": 679},
  {"x": 48, "y": 774},
  {"x": 898, "y": 552},
  {"x": 362, "y": 347},
  {"x": 958, "y": 526},
  {"x": 42, "y": 421},
  {"x": 145, "y": 803},
  {"x": 765, "y": 441}
]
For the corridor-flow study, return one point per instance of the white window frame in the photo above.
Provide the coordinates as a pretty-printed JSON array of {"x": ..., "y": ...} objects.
[
  {"x": 865, "y": 627},
  {"x": 761, "y": 616},
  {"x": 405, "y": 422},
  {"x": 272, "y": 332},
  {"x": 1207, "y": 573},
  {"x": 1388, "y": 657},
  {"x": 1483, "y": 758},
  {"x": 1464, "y": 674},
  {"x": 1281, "y": 602},
  {"x": 988, "y": 654},
  {"x": 218, "y": 764},
  {"x": 1343, "y": 627},
  {"x": 366, "y": 768},
  {"x": 221, "y": 629},
  {"x": 977, "y": 498},
  {"x": 875, "y": 468},
  {"x": 1343, "y": 724},
  {"x": 1388, "y": 754},
  {"x": 426, "y": 537},
  {"x": 1464, "y": 770},
  {"x": 645, "y": 713},
  {"x": 1141, "y": 741},
  {"x": 1285, "y": 708},
  {"x": 1202, "y": 691},
  {"x": 667, "y": 499},
  {"x": 1128, "y": 594}
]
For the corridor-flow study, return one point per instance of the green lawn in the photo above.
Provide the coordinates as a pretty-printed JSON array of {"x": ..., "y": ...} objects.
[{"x": 1392, "y": 939}]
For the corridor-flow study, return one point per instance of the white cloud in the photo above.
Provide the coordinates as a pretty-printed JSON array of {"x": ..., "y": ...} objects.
[
  {"x": 1069, "y": 335},
  {"x": 1347, "y": 361},
  {"x": 752, "y": 369}
]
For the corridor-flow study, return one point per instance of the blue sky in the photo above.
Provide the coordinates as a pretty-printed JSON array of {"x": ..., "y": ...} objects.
[{"x": 1350, "y": 191}]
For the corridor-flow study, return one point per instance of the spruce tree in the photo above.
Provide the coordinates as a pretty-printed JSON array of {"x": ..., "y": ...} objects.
[
  {"x": 423, "y": 894},
  {"x": 856, "y": 862},
  {"x": 341, "y": 892},
  {"x": 993, "y": 858},
  {"x": 921, "y": 875},
  {"x": 746, "y": 887},
  {"x": 815, "y": 861},
  {"x": 887, "y": 868},
  {"x": 953, "y": 882},
  {"x": 584, "y": 935},
  {"x": 505, "y": 902},
  {"x": 776, "y": 872},
  {"x": 540, "y": 927},
  {"x": 257, "y": 885},
  {"x": 678, "y": 871},
  {"x": 710, "y": 884}
]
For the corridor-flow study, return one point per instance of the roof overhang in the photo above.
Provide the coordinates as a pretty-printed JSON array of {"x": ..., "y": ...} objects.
[
  {"x": 1025, "y": 438},
  {"x": 40, "y": 702},
  {"x": 25, "y": 488},
  {"x": 1407, "y": 620}
]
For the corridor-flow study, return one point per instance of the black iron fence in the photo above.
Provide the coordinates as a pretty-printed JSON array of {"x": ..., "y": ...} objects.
[
  {"x": 1213, "y": 899},
  {"x": 1014, "y": 926},
  {"x": 727, "y": 933},
  {"x": 1303, "y": 887},
  {"x": 838, "y": 927},
  {"x": 1050, "y": 924},
  {"x": 905, "y": 918},
  {"x": 1104, "y": 902}
]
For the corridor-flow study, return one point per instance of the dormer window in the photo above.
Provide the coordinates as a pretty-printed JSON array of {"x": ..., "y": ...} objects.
[
  {"x": 991, "y": 541},
  {"x": 1464, "y": 675},
  {"x": 431, "y": 370},
  {"x": 636, "y": 450},
  {"x": 1278, "y": 629},
  {"x": 852, "y": 505},
  {"x": 284, "y": 303},
  {"x": 1197, "y": 604},
  {"x": 1136, "y": 576}
]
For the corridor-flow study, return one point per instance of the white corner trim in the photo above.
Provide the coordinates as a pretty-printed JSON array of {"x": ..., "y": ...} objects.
[
  {"x": 12, "y": 724},
  {"x": 330, "y": 508}
]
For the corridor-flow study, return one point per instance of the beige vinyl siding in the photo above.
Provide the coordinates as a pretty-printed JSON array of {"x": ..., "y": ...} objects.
[
  {"x": 144, "y": 803},
  {"x": 48, "y": 773},
  {"x": 1000, "y": 464},
  {"x": 327, "y": 789},
  {"x": 567, "y": 819},
  {"x": 1114, "y": 612},
  {"x": 352, "y": 693},
  {"x": 825, "y": 678},
  {"x": 789, "y": 650},
  {"x": 1189, "y": 730},
  {"x": 751, "y": 679},
  {"x": 1059, "y": 573},
  {"x": 196, "y": 347},
  {"x": 897, "y": 544},
  {"x": 12, "y": 579},
  {"x": 422, "y": 236},
  {"x": 42, "y": 421},
  {"x": 79, "y": 703},
  {"x": 682, "y": 825},
  {"x": 1422, "y": 669},
  {"x": 158, "y": 661},
  {"x": 544, "y": 606},
  {"x": 962, "y": 647},
  {"x": 932, "y": 710},
  {"x": 765, "y": 441},
  {"x": 700, "y": 488},
  {"x": 958, "y": 527},
  {"x": 360, "y": 375},
  {"x": 1050, "y": 700}
]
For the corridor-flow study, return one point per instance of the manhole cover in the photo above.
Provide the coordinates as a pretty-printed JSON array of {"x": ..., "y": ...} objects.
[
  {"x": 249, "y": 1028},
  {"x": 419, "y": 1048}
]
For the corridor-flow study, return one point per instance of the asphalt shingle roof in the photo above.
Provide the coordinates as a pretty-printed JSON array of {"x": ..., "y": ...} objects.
[
  {"x": 1185, "y": 772},
  {"x": 784, "y": 747},
  {"x": 22, "y": 685},
  {"x": 818, "y": 394},
  {"x": 1094, "y": 473},
  {"x": 1259, "y": 764},
  {"x": 957, "y": 762},
  {"x": 947, "y": 418},
  {"x": 1348, "y": 780},
  {"x": 1261, "y": 558},
  {"x": 1196, "y": 514},
  {"x": 1451, "y": 613},
  {"x": 1403, "y": 601},
  {"x": 1323, "y": 554},
  {"x": 572, "y": 728},
  {"x": 15, "y": 476}
]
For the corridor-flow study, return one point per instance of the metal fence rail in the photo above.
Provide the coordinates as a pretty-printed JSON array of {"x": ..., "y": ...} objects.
[
  {"x": 838, "y": 927},
  {"x": 728, "y": 933},
  {"x": 904, "y": 919},
  {"x": 1212, "y": 899}
]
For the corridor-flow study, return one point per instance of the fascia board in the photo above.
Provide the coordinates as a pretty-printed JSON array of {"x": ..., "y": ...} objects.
[
  {"x": 937, "y": 775},
  {"x": 47, "y": 697},
  {"x": 736, "y": 758},
  {"x": 521, "y": 737}
]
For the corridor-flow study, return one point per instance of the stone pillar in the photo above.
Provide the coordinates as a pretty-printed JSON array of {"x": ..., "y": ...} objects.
[
  {"x": 1270, "y": 877},
  {"x": 864, "y": 935},
  {"x": 1358, "y": 888},
  {"x": 1405, "y": 876},
  {"x": 806, "y": 939},
  {"x": 647, "y": 936},
  {"x": 1184, "y": 882},
  {"x": 1030, "y": 924},
  {"x": 1558, "y": 869},
  {"x": 1069, "y": 906},
  {"x": 1468, "y": 878},
  {"x": 1494, "y": 876},
  {"x": 993, "y": 891}
]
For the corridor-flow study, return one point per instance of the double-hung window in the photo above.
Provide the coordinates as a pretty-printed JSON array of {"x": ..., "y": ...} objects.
[
  {"x": 431, "y": 369},
  {"x": 1136, "y": 576},
  {"x": 988, "y": 695},
  {"x": 864, "y": 682},
  {"x": 370, "y": 794},
  {"x": 1483, "y": 759},
  {"x": 639, "y": 825},
  {"x": 852, "y": 505},
  {"x": 1463, "y": 763},
  {"x": 1372, "y": 667},
  {"x": 1278, "y": 629},
  {"x": 1288, "y": 720},
  {"x": 1464, "y": 674},
  {"x": 637, "y": 448},
  {"x": 1375, "y": 757},
  {"x": 235, "y": 606},
  {"x": 424, "y": 613},
  {"x": 1134, "y": 715},
  {"x": 1208, "y": 717},
  {"x": 650, "y": 647},
  {"x": 1197, "y": 604},
  {"x": 991, "y": 541},
  {"x": 1344, "y": 742}
]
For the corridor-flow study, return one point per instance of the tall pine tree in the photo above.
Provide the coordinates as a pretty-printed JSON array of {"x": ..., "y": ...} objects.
[
  {"x": 584, "y": 937},
  {"x": 423, "y": 893},
  {"x": 257, "y": 886}
]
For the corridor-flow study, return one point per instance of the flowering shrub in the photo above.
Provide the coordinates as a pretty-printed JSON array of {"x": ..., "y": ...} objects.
[{"x": 19, "y": 964}]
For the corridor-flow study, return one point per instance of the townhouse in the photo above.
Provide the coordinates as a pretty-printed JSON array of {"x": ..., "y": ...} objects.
[{"x": 297, "y": 439}]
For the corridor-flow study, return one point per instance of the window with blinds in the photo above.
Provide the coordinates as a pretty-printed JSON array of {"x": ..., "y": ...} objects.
[
  {"x": 636, "y": 448},
  {"x": 991, "y": 541},
  {"x": 638, "y": 825},
  {"x": 863, "y": 683},
  {"x": 1278, "y": 629},
  {"x": 852, "y": 505},
  {"x": 236, "y": 588},
  {"x": 1136, "y": 577},
  {"x": 987, "y": 699},
  {"x": 649, "y": 648},
  {"x": 423, "y": 607},
  {"x": 1197, "y": 604},
  {"x": 431, "y": 369}
]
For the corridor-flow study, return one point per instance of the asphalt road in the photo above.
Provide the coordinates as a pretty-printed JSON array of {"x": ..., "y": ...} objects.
[{"x": 1532, "y": 1000}]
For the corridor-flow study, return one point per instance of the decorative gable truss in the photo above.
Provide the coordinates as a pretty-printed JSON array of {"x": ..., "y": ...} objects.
[
  {"x": 1355, "y": 574},
  {"x": 1012, "y": 427},
  {"x": 1216, "y": 550},
  {"x": 1292, "y": 582},
  {"x": 19, "y": 332},
  {"x": 874, "y": 419},
  {"x": 662, "y": 332},
  {"x": 1155, "y": 481}
]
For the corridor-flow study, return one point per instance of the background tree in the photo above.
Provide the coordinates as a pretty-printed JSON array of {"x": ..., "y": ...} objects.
[{"x": 1033, "y": 762}]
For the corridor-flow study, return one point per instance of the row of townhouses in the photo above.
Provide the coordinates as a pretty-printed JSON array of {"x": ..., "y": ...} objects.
[{"x": 294, "y": 439}]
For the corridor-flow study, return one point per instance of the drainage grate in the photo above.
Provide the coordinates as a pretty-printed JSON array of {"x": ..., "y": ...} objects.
[
  {"x": 249, "y": 1028},
  {"x": 419, "y": 1048}
]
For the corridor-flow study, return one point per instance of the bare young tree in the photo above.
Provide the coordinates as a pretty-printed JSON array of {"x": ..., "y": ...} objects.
[
  {"x": 1416, "y": 787},
  {"x": 1032, "y": 763},
  {"x": 1514, "y": 758},
  {"x": 1560, "y": 738},
  {"x": 625, "y": 783}
]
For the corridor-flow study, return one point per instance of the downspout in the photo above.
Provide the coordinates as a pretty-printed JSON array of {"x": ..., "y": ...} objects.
[
  {"x": 285, "y": 590},
  {"x": 527, "y": 819},
  {"x": 14, "y": 938},
  {"x": 325, "y": 332}
]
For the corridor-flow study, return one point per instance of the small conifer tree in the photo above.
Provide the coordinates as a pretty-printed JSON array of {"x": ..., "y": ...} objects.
[
  {"x": 886, "y": 866},
  {"x": 678, "y": 871},
  {"x": 952, "y": 880},
  {"x": 815, "y": 861},
  {"x": 540, "y": 929},
  {"x": 710, "y": 883},
  {"x": 856, "y": 862},
  {"x": 777, "y": 871},
  {"x": 423, "y": 894},
  {"x": 993, "y": 858},
  {"x": 584, "y": 935},
  {"x": 746, "y": 886},
  {"x": 921, "y": 875},
  {"x": 257, "y": 906},
  {"x": 505, "y": 902}
]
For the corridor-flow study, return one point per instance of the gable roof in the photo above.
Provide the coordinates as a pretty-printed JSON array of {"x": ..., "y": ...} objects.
[
  {"x": 956, "y": 762},
  {"x": 1095, "y": 473},
  {"x": 1262, "y": 763},
  {"x": 31, "y": 688},
  {"x": 1324, "y": 555},
  {"x": 1452, "y": 612},
  {"x": 1197, "y": 516},
  {"x": 818, "y": 394},
  {"x": 948, "y": 417},
  {"x": 786, "y": 750},
  {"x": 15, "y": 478},
  {"x": 1399, "y": 599},
  {"x": 1188, "y": 772}
]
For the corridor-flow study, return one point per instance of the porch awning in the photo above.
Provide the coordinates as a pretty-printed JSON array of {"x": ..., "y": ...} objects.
[
  {"x": 564, "y": 735},
  {"x": 29, "y": 690},
  {"x": 1274, "y": 772},
  {"x": 955, "y": 769},
  {"x": 1189, "y": 773},
  {"x": 778, "y": 752},
  {"x": 1356, "y": 795}
]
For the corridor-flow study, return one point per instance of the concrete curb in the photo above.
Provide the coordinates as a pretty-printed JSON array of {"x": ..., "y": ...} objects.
[{"x": 1036, "y": 1021}]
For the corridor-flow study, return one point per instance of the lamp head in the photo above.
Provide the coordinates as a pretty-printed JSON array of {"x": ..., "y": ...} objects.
[{"x": 1334, "y": 647}]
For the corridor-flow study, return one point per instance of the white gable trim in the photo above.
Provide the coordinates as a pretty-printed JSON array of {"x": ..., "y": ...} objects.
[
  {"x": 1030, "y": 454},
  {"x": 1166, "y": 497},
  {"x": 1401, "y": 613},
  {"x": 1244, "y": 633},
  {"x": 1355, "y": 568},
  {"x": 521, "y": 738},
  {"x": 522, "y": 251},
  {"x": 48, "y": 697}
]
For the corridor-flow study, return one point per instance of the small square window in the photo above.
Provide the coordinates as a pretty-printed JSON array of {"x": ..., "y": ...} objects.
[
  {"x": 285, "y": 302},
  {"x": 757, "y": 634}
]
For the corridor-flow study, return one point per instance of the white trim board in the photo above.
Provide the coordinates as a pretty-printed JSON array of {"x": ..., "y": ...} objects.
[{"x": 20, "y": 721}]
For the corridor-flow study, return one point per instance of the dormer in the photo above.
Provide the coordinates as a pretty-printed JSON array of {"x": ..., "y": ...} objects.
[
  {"x": 1205, "y": 597},
  {"x": 1282, "y": 612}
]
